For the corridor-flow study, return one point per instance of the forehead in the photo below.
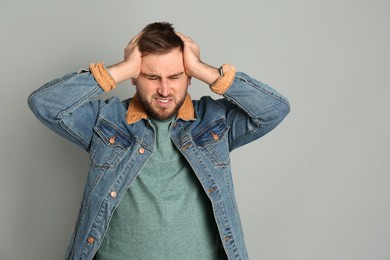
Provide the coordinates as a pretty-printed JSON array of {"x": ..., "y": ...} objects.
[{"x": 163, "y": 63}]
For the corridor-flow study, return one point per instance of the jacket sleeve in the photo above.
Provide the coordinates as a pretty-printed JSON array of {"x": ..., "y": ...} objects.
[
  {"x": 252, "y": 109},
  {"x": 67, "y": 106}
]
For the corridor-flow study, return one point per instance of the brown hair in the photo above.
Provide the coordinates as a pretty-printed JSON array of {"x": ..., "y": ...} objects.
[{"x": 159, "y": 37}]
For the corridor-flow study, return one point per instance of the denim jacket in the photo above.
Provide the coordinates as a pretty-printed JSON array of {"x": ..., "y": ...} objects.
[{"x": 119, "y": 139}]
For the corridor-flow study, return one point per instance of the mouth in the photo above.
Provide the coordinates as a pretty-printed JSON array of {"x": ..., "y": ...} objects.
[{"x": 163, "y": 102}]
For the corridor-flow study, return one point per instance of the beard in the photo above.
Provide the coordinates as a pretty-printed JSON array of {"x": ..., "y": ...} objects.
[{"x": 160, "y": 113}]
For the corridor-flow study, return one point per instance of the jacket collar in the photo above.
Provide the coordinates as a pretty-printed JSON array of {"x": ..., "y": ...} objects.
[{"x": 136, "y": 111}]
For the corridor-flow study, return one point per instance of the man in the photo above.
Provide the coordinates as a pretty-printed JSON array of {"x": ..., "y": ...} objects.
[{"x": 159, "y": 184}]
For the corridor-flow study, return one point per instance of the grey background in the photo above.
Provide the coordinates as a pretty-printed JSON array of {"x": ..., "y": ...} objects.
[{"x": 315, "y": 188}]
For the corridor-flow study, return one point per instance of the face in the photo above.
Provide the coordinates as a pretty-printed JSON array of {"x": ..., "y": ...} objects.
[{"x": 162, "y": 84}]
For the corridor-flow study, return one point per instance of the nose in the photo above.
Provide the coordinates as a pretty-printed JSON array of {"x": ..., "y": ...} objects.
[{"x": 163, "y": 89}]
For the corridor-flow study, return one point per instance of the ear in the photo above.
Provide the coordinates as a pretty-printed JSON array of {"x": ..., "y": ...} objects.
[
  {"x": 133, "y": 81},
  {"x": 189, "y": 81}
]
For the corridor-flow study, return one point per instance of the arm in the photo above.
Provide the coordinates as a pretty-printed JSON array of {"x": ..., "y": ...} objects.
[
  {"x": 67, "y": 105},
  {"x": 252, "y": 108}
]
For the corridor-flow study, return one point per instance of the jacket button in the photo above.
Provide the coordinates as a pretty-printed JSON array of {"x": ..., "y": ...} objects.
[
  {"x": 90, "y": 240},
  {"x": 215, "y": 136},
  {"x": 212, "y": 189},
  {"x": 113, "y": 194},
  {"x": 141, "y": 150}
]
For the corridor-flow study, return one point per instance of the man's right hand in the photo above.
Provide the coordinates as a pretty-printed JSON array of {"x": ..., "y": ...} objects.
[{"x": 130, "y": 67}]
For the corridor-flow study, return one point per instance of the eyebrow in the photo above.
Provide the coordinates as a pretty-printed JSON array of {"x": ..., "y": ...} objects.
[{"x": 151, "y": 75}]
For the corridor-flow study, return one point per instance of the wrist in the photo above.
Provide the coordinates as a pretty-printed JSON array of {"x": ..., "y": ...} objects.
[
  {"x": 122, "y": 71},
  {"x": 206, "y": 73}
]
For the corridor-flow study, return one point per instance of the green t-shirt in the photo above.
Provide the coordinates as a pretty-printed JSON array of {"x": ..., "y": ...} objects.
[{"x": 165, "y": 214}]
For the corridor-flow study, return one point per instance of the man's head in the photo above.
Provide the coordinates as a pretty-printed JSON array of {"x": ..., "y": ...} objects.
[
  {"x": 162, "y": 84},
  {"x": 159, "y": 38}
]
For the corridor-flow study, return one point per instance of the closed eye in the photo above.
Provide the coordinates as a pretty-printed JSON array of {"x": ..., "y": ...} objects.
[
  {"x": 152, "y": 78},
  {"x": 157, "y": 77},
  {"x": 176, "y": 76}
]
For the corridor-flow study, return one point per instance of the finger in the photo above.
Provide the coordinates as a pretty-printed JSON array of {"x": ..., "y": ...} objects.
[
  {"x": 183, "y": 36},
  {"x": 180, "y": 34},
  {"x": 135, "y": 39}
]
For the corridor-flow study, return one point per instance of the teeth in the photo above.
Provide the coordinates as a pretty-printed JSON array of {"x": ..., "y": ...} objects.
[{"x": 163, "y": 100}]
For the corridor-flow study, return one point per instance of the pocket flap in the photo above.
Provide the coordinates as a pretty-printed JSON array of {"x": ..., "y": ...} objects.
[
  {"x": 112, "y": 136},
  {"x": 212, "y": 133}
]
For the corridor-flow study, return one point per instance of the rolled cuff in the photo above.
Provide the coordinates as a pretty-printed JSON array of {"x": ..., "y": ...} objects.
[
  {"x": 102, "y": 76},
  {"x": 225, "y": 81}
]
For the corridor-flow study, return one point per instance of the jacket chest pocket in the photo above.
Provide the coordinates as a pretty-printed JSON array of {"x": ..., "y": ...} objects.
[
  {"x": 109, "y": 146},
  {"x": 213, "y": 141}
]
